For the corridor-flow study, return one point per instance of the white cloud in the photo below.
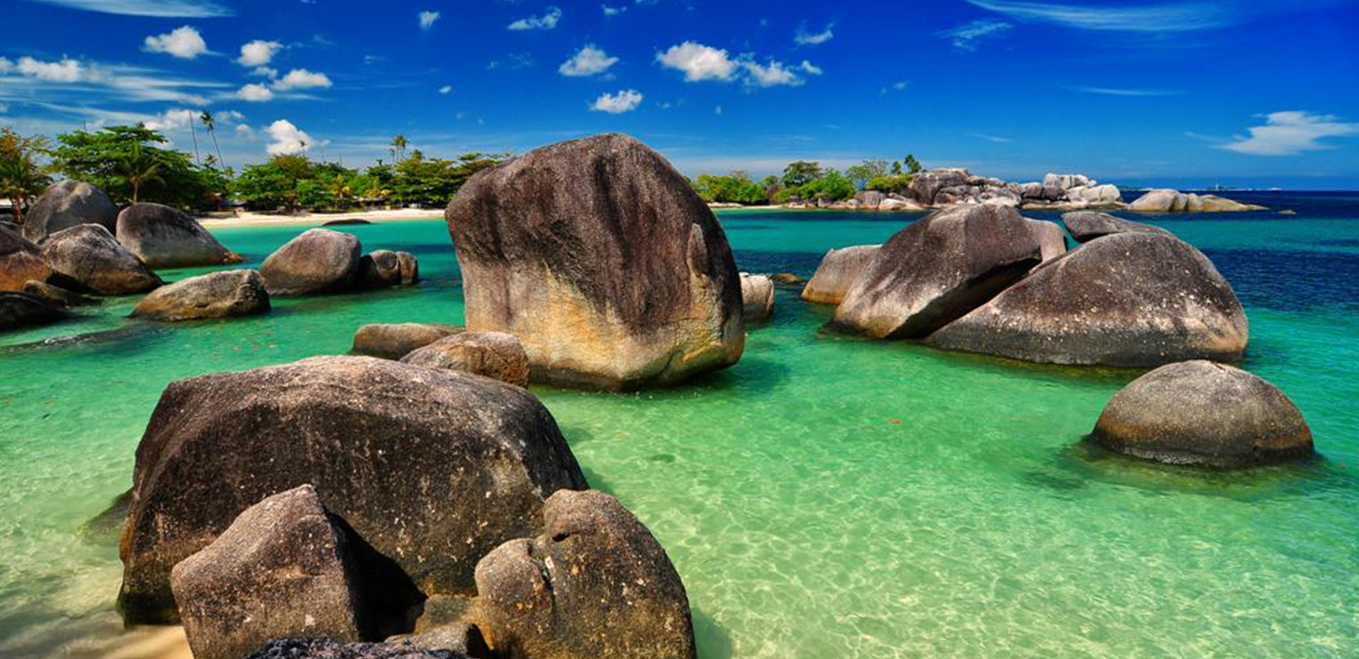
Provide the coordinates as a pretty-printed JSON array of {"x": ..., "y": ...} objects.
[
  {"x": 288, "y": 138},
  {"x": 258, "y": 53},
  {"x": 183, "y": 42},
  {"x": 613, "y": 11},
  {"x": 156, "y": 8},
  {"x": 446, "y": 89},
  {"x": 698, "y": 62},
  {"x": 770, "y": 75},
  {"x": 301, "y": 79},
  {"x": 85, "y": 81},
  {"x": 624, "y": 101},
  {"x": 966, "y": 36},
  {"x": 427, "y": 19},
  {"x": 992, "y": 138},
  {"x": 66, "y": 70},
  {"x": 511, "y": 62},
  {"x": 1164, "y": 17},
  {"x": 547, "y": 21},
  {"x": 803, "y": 38},
  {"x": 244, "y": 130},
  {"x": 1110, "y": 91},
  {"x": 179, "y": 119},
  {"x": 808, "y": 67},
  {"x": 587, "y": 61},
  {"x": 897, "y": 86},
  {"x": 265, "y": 71},
  {"x": 254, "y": 93},
  {"x": 1291, "y": 133},
  {"x": 228, "y": 117}
]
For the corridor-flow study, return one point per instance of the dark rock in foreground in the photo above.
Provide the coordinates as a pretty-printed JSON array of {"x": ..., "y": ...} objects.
[
  {"x": 20, "y": 261},
  {"x": 495, "y": 355},
  {"x": 1130, "y": 299},
  {"x": 432, "y": 468},
  {"x": 283, "y": 567},
  {"x": 66, "y": 204},
  {"x": 938, "y": 269},
  {"x": 837, "y": 271},
  {"x": 594, "y": 585},
  {"x": 604, "y": 262},
  {"x": 88, "y": 257},
  {"x": 1086, "y": 226},
  {"x": 1202, "y": 413},
  {"x": 20, "y": 309},
  {"x": 318, "y": 261},
  {"x": 165, "y": 237},
  {"x": 323, "y": 648},
  {"x": 757, "y": 296},
  {"x": 396, "y": 340},
  {"x": 56, "y": 295},
  {"x": 214, "y": 295}
]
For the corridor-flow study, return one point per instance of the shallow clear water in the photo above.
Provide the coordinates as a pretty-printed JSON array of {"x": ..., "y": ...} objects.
[{"x": 826, "y": 497}]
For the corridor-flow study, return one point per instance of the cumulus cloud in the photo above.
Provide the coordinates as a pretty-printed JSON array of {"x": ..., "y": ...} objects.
[
  {"x": 587, "y": 61},
  {"x": 547, "y": 21},
  {"x": 65, "y": 70},
  {"x": 183, "y": 42},
  {"x": 254, "y": 93},
  {"x": 1291, "y": 133},
  {"x": 624, "y": 101},
  {"x": 288, "y": 138},
  {"x": 258, "y": 53},
  {"x": 773, "y": 74},
  {"x": 178, "y": 119},
  {"x": 698, "y": 62},
  {"x": 804, "y": 38},
  {"x": 427, "y": 19},
  {"x": 302, "y": 79}
]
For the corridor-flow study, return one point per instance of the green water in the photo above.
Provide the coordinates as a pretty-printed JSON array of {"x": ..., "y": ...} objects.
[{"x": 826, "y": 497}]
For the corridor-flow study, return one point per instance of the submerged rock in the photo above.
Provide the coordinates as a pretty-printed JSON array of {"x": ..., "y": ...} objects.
[
  {"x": 345, "y": 222},
  {"x": 594, "y": 585},
  {"x": 1129, "y": 299},
  {"x": 838, "y": 269},
  {"x": 20, "y": 309},
  {"x": 938, "y": 269},
  {"x": 282, "y": 568},
  {"x": 214, "y": 295},
  {"x": 66, "y": 204},
  {"x": 374, "y": 437},
  {"x": 396, "y": 340},
  {"x": 604, "y": 262},
  {"x": 89, "y": 257},
  {"x": 1086, "y": 226},
  {"x": 324, "y": 648},
  {"x": 165, "y": 237},
  {"x": 494, "y": 355},
  {"x": 1203, "y": 413},
  {"x": 757, "y": 296},
  {"x": 318, "y": 261},
  {"x": 20, "y": 261},
  {"x": 56, "y": 295}
]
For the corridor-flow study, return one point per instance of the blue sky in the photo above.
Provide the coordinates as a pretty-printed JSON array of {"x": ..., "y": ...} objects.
[{"x": 1181, "y": 93}]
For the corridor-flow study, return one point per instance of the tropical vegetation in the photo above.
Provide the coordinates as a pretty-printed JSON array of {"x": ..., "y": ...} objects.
[
  {"x": 807, "y": 181},
  {"x": 24, "y": 174}
]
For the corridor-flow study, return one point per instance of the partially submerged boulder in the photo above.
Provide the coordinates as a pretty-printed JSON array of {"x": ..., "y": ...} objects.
[
  {"x": 432, "y": 468},
  {"x": 604, "y": 262},
  {"x": 490, "y": 354},
  {"x": 89, "y": 258},
  {"x": 318, "y": 261},
  {"x": 1051, "y": 238},
  {"x": 1129, "y": 299},
  {"x": 1202, "y": 413},
  {"x": 215, "y": 295},
  {"x": 384, "y": 268},
  {"x": 1086, "y": 226},
  {"x": 165, "y": 237},
  {"x": 1165, "y": 200},
  {"x": 838, "y": 269},
  {"x": 757, "y": 296},
  {"x": 938, "y": 269},
  {"x": 396, "y": 340},
  {"x": 410, "y": 267},
  {"x": 283, "y": 568},
  {"x": 20, "y": 310},
  {"x": 20, "y": 261},
  {"x": 66, "y": 204},
  {"x": 594, "y": 584}
]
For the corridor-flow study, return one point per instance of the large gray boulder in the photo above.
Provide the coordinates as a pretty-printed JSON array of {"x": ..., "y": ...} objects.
[
  {"x": 1051, "y": 238},
  {"x": 88, "y": 257},
  {"x": 214, "y": 295},
  {"x": 318, "y": 261},
  {"x": 1203, "y": 413},
  {"x": 604, "y": 262},
  {"x": 926, "y": 185},
  {"x": 489, "y": 354},
  {"x": 20, "y": 310},
  {"x": 836, "y": 272},
  {"x": 432, "y": 468},
  {"x": 66, "y": 204},
  {"x": 283, "y": 568},
  {"x": 1129, "y": 299},
  {"x": 1086, "y": 226},
  {"x": 938, "y": 269},
  {"x": 396, "y": 340},
  {"x": 165, "y": 237},
  {"x": 757, "y": 296},
  {"x": 20, "y": 261},
  {"x": 594, "y": 584}
]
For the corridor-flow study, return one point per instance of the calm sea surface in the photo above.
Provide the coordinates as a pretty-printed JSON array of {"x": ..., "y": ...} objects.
[{"x": 826, "y": 497}]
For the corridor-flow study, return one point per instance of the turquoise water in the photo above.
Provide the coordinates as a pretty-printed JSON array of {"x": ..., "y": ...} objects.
[{"x": 826, "y": 497}]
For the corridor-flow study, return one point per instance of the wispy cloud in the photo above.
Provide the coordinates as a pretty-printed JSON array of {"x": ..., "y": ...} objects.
[
  {"x": 156, "y": 8},
  {"x": 898, "y": 86},
  {"x": 427, "y": 19},
  {"x": 548, "y": 21},
  {"x": 85, "y": 81},
  {"x": 1291, "y": 133},
  {"x": 966, "y": 36},
  {"x": 1160, "y": 17},
  {"x": 511, "y": 62},
  {"x": 804, "y": 38},
  {"x": 1113, "y": 91},
  {"x": 992, "y": 138}
]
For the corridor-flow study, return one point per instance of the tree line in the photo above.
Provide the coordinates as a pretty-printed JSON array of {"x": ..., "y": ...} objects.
[{"x": 806, "y": 181}]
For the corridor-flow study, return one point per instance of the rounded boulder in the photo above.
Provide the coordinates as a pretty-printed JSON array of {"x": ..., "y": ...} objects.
[
  {"x": 90, "y": 258},
  {"x": 66, "y": 204},
  {"x": 837, "y": 271},
  {"x": 165, "y": 237},
  {"x": 20, "y": 261},
  {"x": 494, "y": 355},
  {"x": 318, "y": 261},
  {"x": 214, "y": 295}
]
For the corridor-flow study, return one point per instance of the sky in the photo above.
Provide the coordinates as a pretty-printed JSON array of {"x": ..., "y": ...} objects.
[{"x": 1186, "y": 93}]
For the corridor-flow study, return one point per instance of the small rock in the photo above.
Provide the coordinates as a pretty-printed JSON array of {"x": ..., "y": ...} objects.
[
  {"x": 757, "y": 295},
  {"x": 380, "y": 269},
  {"x": 494, "y": 355},
  {"x": 215, "y": 295},
  {"x": 346, "y": 222},
  {"x": 396, "y": 340},
  {"x": 786, "y": 278},
  {"x": 837, "y": 271}
]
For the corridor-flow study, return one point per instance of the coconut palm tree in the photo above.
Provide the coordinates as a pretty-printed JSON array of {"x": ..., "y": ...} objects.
[
  {"x": 399, "y": 144},
  {"x": 194, "y": 132},
  {"x": 139, "y": 168},
  {"x": 208, "y": 121}
]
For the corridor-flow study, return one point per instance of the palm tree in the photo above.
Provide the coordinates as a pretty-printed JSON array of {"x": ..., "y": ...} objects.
[
  {"x": 194, "y": 133},
  {"x": 21, "y": 176},
  {"x": 139, "y": 168},
  {"x": 399, "y": 143},
  {"x": 208, "y": 121}
]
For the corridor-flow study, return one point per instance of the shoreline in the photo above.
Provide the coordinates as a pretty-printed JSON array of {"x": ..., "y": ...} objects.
[{"x": 275, "y": 219}]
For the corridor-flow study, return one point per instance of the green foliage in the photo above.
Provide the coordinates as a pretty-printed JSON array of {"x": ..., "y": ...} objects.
[
  {"x": 734, "y": 188},
  {"x": 800, "y": 173},
  {"x": 888, "y": 184},
  {"x": 912, "y": 165},
  {"x": 896, "y": 168},
  {"x": 832, "y": 186},
  {"x": 128, "y": 162},
  {"x": 862, "y": 173},
  {"x": 23, "y": 174}
]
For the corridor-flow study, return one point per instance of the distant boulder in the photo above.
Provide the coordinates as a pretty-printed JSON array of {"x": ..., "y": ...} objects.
[
  {"x": 88, "y": 257},
  {"x": 495, "y": 355},
  {"x": 870, "y": 199},
  {"x": 1129, "y": 299},
  {"x": 20, "y": 261},
  {"x": 1086, "y": 226},
  {"x": 1202, "y": 413},
  {"x": 1165, "y": 200},
  {"x": 165, "y": 237},
  {"x": 837, "y": 271},
  {"x": 926, "y": 185},
  {"x": 345, "y": 222},
  {"x": 938, "y": 269},
  {"x": 66, "y": 204},
  {"x": 396, "y": 340},
  {"x": 20, "y": 309},
  {"x": 1066, "y": 181},
  {"x": 757, "y": 296},
  {"x": 318, "y": 261},
  {"x": 215, "y": 295},
  {"x": 600, "y": 257}
]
